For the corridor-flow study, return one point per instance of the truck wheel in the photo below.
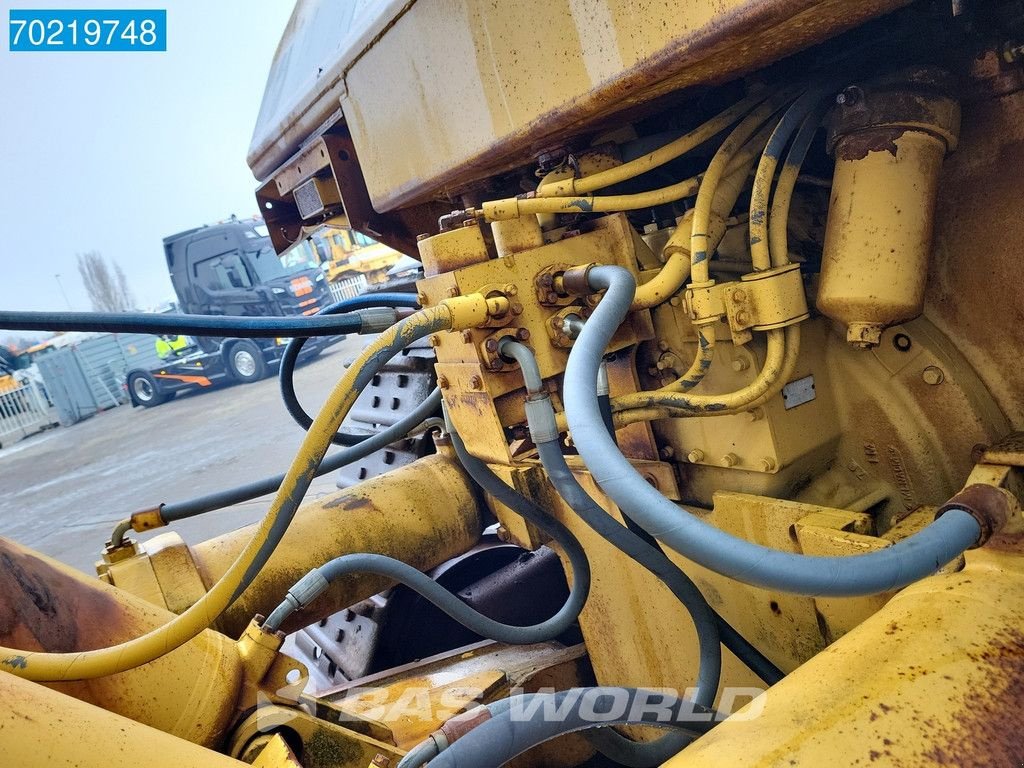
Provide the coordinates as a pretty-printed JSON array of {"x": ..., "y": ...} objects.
[
  {"x": 246, "y": 363},
  {"x": 144, "y": 389}
]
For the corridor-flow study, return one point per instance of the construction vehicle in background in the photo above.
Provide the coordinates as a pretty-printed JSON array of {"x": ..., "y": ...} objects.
[
  {"x": 230, "y": 268},
  {"x": 728, "y": 423},
  {"x": 346, "y": 254},
  {"x": 8, "y": 365}
]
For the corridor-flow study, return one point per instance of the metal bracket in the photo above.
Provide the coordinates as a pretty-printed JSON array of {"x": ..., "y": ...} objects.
[{"x": 759, "y": 301}]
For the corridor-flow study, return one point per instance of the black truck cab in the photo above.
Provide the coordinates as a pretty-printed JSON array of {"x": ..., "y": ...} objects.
[{"x": 231, "y": 268}]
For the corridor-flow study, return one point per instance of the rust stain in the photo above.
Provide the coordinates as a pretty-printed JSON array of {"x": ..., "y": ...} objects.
[
  {"x": 857, "y": 146},
  {"x": 987, "y": 731}
]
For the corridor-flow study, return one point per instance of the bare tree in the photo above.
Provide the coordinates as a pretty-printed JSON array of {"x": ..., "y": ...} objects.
[{"x": 106, "y": 285}]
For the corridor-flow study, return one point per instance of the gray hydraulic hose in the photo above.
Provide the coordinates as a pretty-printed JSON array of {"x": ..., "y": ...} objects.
[
  {"x": 181, "y": 510},
  {"x": 884, "y": 570},
  {"x": 541, "y": 420},
  {"x": 316, "y": 581},
  {"x": 190, "y": 507},
  {"x": 541, "y": 417},
  {"x": 652, "y": 557},
  {"x": 521, "y": 723}
]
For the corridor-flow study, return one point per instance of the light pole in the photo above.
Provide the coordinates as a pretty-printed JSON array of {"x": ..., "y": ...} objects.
[{"x": 63, "y": 293}]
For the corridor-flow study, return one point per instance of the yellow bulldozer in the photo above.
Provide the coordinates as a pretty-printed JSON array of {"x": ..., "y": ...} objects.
[
  {"x": 722, "y": 303},
  {"x": 348, "y": 254}
]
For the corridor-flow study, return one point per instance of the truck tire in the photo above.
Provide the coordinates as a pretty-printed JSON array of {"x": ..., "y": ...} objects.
[
  {"x": 145, "y": 391},
  {"x": 245, "y": 362}
]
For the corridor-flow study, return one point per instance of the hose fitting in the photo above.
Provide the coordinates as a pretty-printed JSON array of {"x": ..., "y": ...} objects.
[
  {"x": 541, "y": 418},
  {"x": 576, "y": 280},
  {"x": 992, "y": 507}
]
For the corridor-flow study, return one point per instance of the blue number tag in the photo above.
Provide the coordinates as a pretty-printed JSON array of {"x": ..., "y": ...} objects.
[{"x": 87, "y": 30}]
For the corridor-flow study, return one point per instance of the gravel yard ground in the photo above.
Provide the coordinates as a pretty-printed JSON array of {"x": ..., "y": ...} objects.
[{"x": 62, "y": 491}]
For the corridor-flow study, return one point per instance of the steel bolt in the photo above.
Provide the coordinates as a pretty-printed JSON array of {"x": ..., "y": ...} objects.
[
  {"x": 739, "y": 296},
  {"x": 767, "y": 464},
  {"x": 517, "y": 308},
  {"x": 695, "y": 456},
  {"x": 522, "y": 334},
  {"x": 740, "y": 364},
  {"x": 849, "y": 96},
  {"x": 434, "y": 340},
  {"x": 422, "y": 299},
  {"x": 476, "y": 382},
  {"x": 742, "y": 317},
  {"x": 730, "y": 460},
  {"x": 453, "y": 292},
  {"x": 491, "y": 345},
  {"x": 933, "y": 375},
  {"x": 552, "y": 297},
  {"x": 667, "y": 452},
  {"x": 663, "y": 346},
  {"x": 511, "y": 289},
  {"x": 380, "y": 761},
  {"x": 675, "y": 301},
  {"x": 503, "y": 534}
]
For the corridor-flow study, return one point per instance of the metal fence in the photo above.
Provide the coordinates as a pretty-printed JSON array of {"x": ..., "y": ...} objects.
[
  {"x": 23, "y": 412},
  {"x": 348, "y": 288}
]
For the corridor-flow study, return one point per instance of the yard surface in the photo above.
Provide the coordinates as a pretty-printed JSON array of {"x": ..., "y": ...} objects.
[{"x": 63, "y": 491}]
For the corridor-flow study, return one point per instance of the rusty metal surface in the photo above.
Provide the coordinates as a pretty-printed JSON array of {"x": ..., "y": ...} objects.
[
  {"x": 973, "y": 292},
  {"x": 521, "y": 86},
  {"x": 934, "y": 679},
  {"x": 47, "y": 606}
]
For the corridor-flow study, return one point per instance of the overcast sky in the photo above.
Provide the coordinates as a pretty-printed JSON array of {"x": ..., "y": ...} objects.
[{"x": 113, "y": 151}]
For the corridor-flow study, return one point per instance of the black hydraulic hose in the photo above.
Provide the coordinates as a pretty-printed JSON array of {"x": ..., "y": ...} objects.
[
  {"x": 291, "y": 355},
  {"x": 180, "y": 510},
  {"x": 190, "y": 325},
  {"x": 743, "y": 650},
  {"x": 315, "y": 582},
  {"x": 783, "y": 131},
  {"x": 540, "y": 408},
  {"x": 628, "y": 752},
  {"x": 519, "y": 724},
  {"x": 710, "y": 626},
  {"x": 604, "y": 402},
  {"x": 913, "y": 558}
]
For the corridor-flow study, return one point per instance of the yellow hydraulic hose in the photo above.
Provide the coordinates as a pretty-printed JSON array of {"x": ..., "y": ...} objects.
[
  {"x": 684, "y": 402},
  {"x": 717, "y": 170},
  {"x": 672, "y": 276},
  {"x": 457, "y": 313},
  {"x": 514, "y": 207},
  {"x": 654, "y": 159},
  {"x": 778, "y": 369}
]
